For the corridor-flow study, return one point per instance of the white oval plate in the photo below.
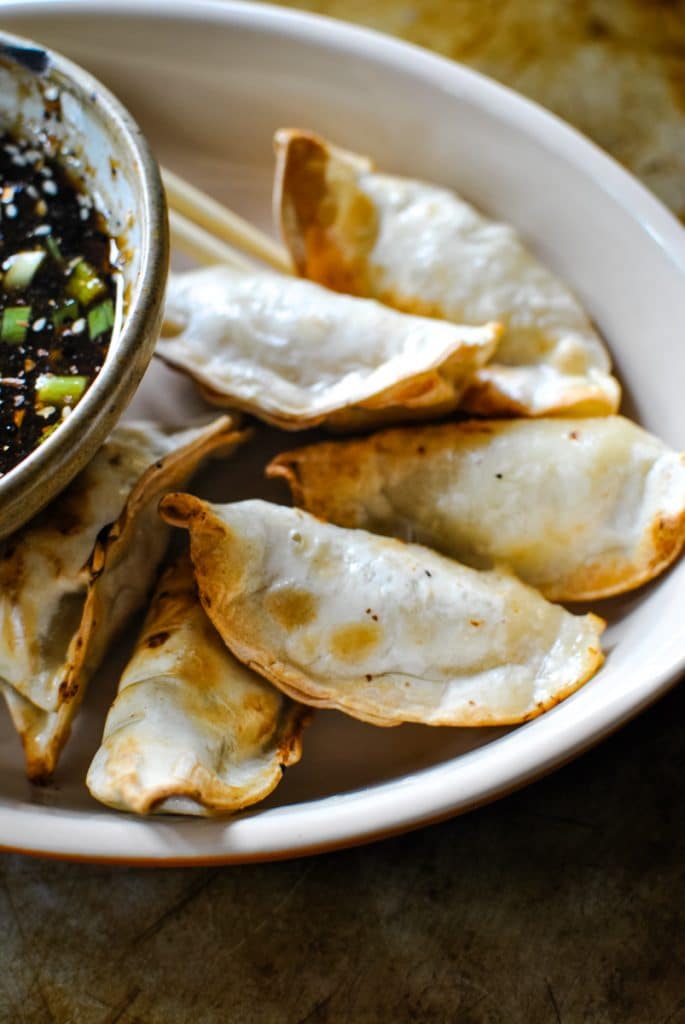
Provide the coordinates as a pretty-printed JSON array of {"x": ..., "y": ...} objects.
[{"x": 209, "y": 83}]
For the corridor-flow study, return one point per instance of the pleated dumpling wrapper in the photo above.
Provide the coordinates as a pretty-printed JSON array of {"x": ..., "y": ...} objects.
[
  {"x": 74, "y": 574},
  {"x": 425, "y": 250},
  {"x": 580, "y": 509},
  {"x": 192, "y": 731},
  {"x": 386, "y": 631},
  {"x": 298, "y": 355}
]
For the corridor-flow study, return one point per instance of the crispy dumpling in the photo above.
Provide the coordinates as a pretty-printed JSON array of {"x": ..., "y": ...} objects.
[
  {"x": 297, "y": 355},
  {"x": 386, "y": 631},
  {"x": 74, "y": 574},
  {"x": 581, "y": 509},
  {"x": 191, "y": 730},
  {"x": 425, "y": 250}
]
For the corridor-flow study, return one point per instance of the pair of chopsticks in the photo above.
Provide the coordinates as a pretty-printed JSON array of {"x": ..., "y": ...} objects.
[{"x": 210, "y": 233}]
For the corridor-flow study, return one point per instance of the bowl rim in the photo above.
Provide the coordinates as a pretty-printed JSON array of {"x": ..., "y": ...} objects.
[
  {"x": 45, "y": 471},
  {"x": 458, "y": 784}
]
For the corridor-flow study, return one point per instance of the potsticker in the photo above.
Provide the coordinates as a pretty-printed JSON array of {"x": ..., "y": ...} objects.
[
  {"x": 580, "y": 509},
  {"x": 71, "y": 578},
  {"x": 423, "y": 249},
  {"x": 298, "y": 355},
  {"x": 192, "y": 731},
  {"x": 386, "y": 631}
]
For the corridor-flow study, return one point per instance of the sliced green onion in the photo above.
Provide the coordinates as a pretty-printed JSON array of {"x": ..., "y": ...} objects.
[
  {"x": 54, "y": 390},
  {"x": 84, "y": 284},
  {"x": 15, "y": 321},
  {"x": 21, "y": 268},
  {"x": 54, "y": 250},
  {"x": 100, "y": 319},
  {"x": 69, "y": 311}
]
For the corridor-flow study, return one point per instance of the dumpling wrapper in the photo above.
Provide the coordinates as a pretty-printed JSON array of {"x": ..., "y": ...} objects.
[
  {"x": 580, "y": 509},
  {"x": 425, "y": 250},
  {"x": 298, "y": 355},
  {"x": 71, "y": 578},
  {"x": 387, "y": 632},
  {"x": 192, "y": 731}
]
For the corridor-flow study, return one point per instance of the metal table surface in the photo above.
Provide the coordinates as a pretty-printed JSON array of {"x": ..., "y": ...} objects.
[{"x": 562, "y": 903}]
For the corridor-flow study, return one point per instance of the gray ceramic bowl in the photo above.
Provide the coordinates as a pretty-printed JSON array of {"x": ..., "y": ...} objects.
[{"x": 110, "y": 155}]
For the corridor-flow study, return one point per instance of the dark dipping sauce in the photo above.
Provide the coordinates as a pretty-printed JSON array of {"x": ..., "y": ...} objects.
[{"x": 57, "y": 297}]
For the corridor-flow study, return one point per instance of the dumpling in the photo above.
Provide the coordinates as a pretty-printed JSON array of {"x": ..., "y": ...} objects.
[
  {"x": 192, "y": 730},
  {"x": 71, "y": 577},
  {"x": 386, "y": 631},
  {"x": 425, "y": 250},
  {"x": 580, "y": 509},
  {"x": 297, "y": 355}
]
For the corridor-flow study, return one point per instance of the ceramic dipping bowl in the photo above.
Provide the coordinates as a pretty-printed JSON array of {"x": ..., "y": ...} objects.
[{"x": 43, "y": 94}]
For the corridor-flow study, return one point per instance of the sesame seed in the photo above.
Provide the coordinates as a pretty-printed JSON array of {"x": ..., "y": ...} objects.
[{"x": 50, "y": 188}]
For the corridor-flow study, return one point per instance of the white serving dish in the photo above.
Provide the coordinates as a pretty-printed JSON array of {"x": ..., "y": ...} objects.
[{"x": 209, "y": 82}]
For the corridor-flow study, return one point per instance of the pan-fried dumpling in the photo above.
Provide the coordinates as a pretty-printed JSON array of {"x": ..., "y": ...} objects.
[
  {"x": 385, "y": 631},
  {"x": 192, "y": 730},
  {"x": 71, "y": 578},
  {"x": 580, "y": 509},
  {"x": 297, "y": 355},
  {"x": 425, "y": 250}
]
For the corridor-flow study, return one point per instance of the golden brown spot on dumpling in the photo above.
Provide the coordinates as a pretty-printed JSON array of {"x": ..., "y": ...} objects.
[
  {"x": 68, "y": 689},
  {"x": 355, "y": 641},
  {"x": 331, "y": 225},
  {"x": 172, "y": 328},
  {"x": 668, "y": 534},
  {"x": 291, "y": 607},
  {"x": 258, "y": 717},
  {"x": 304, "y": 183}
]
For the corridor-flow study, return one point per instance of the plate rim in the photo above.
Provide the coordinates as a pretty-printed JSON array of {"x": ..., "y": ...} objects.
[{"x": 461, "y": 783}]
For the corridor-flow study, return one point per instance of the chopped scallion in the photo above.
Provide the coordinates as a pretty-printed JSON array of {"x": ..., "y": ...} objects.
[
  {"x": 15, "y": 322},
  {"x": 70, "y": 311},
  {"x": 54, "y": 390},
  {"x": 54, "y": 250},
  {"x": 21, "y": 268},
  {"x": 100, "y": 319},
  {"x": 84, "y": 284}
]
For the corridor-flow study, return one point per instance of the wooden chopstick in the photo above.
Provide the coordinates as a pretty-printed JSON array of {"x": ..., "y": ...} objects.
[
  {"x": 194, "y": 241},
  {"x": 190, "y": 206}
]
